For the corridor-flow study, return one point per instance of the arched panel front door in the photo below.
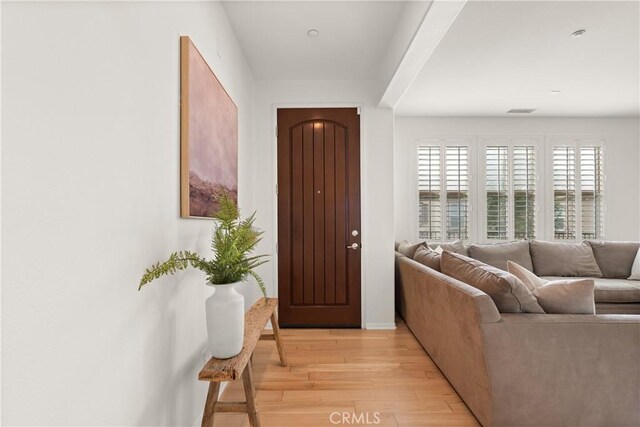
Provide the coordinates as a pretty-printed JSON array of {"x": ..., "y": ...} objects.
[{"x": 319, "y": 217}]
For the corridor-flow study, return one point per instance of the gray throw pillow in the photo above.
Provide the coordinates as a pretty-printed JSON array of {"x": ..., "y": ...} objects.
[
  {"x": 498, "y": 254},
  {"x": 409, "y": 249},
  {"x": 563, "y": 259},
  {"x": 614, "y": 258},
  {"x": 568, "y": 296},
  {"x": 428, "y": 257},
  {"x": 508, "y": 293}
]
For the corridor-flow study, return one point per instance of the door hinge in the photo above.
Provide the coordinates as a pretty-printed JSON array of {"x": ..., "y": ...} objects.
[
  {"x": 358, "y": 110},
  {"x": 276, "y": 247},
  {"x": 276, "y": 131},
  {"x": 276, "y": 189}
]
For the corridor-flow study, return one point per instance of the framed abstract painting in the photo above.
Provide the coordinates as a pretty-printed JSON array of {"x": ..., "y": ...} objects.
[{"x": 208, "y": 136}]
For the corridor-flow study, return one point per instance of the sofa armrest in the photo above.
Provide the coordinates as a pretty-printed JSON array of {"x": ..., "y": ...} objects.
[
  {"x": 564, "y": 369},
  {"x": 446, "y": 315}
]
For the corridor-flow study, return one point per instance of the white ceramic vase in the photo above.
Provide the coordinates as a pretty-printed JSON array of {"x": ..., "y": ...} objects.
[{"x": 225, "y": 321}]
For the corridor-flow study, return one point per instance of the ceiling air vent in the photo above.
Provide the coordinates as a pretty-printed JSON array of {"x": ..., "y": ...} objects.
[{"x": 521, "y": 110}]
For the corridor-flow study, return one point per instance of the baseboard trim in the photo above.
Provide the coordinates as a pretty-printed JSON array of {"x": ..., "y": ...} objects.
[{"x": 381, "y": 326}]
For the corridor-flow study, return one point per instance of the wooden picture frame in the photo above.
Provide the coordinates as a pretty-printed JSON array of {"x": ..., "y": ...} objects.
[{"x": 208, "y": 136}]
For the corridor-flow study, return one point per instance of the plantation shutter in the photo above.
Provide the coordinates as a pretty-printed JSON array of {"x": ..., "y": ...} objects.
[
  {"x": 591, "y": 181},
  {"x": 497, "y": 189},
  {"x": 457, "y": 192},
  {"x": 429, "y": 187},
  {"x": 564, "y": 193},
  {"x": 524, "y": 192}
]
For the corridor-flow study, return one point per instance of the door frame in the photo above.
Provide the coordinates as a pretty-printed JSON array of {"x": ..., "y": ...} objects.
[{"x": 363, "y": 193}]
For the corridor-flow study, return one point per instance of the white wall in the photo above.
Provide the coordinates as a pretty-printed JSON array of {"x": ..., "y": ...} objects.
[
  {"x": 90, "y": 186},
  {"x": 377, "y": 180},
  {"x": 622, "y": 148}
]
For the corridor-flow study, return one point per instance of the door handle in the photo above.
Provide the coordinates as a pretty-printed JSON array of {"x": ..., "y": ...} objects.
[{"x": 353, "y": 246}]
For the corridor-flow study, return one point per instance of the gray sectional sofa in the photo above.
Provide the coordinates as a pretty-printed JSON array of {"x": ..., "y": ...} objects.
[{"x": 522, "y": 369}]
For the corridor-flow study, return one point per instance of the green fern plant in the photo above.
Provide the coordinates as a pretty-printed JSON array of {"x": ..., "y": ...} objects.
[{"x": 233, "y": 241}]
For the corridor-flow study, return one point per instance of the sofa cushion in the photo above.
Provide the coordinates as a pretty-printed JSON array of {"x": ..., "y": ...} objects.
[
  {"x": 456, "y": 246},
  {"x": 563, "y": 259},
  {"x": 563, "y": 296},
  {"x": 614, "y": 258},
  {"x": 617, "y": 290},
  {"x": 498, "y": 254},
  {"x": 613, "y": 290},
  {"x": 617, "y": 308},
  {"x": 408, "y": 249},
  {"x": 428, "y": 257},
  {"x": 508, "y": 293}
]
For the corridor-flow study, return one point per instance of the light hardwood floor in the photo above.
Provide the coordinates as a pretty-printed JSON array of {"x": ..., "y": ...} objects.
[{"x": 348, "y": 371}]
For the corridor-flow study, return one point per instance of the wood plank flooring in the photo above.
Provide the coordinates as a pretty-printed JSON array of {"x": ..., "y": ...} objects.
[{"x": 348, "y": 371}]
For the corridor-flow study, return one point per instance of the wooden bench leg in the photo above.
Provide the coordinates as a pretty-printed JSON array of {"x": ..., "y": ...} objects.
[
  {"x": 212, "y": 397},
  {"x": 250, "y": 394},
  {"x": 276, "y": 334}
]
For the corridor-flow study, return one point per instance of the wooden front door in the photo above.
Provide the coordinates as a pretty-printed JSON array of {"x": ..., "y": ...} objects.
[{"x": 319, "y": 217}]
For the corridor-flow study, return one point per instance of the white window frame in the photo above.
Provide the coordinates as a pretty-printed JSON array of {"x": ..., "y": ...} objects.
[
  {"x": 536, "y": 141},
  {"x": 443, "y": 142},
  {"x": 575, "y": 141},
  {"x": 544, "y": 180}
]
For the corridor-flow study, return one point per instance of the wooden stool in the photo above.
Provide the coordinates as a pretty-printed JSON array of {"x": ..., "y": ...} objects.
[{"x": 219, "y": 370}]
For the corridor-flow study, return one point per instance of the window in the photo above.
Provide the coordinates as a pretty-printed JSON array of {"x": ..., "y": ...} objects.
[
  {"x": 429, "y": 210},
  {"x": 578, "y": 180},
  {"x": 524, "y": 192},
  {"x": 510, "y": 188},
  {"x": 528, "y": 187},
  {"x": 497, "y": 188},
  {"x": 443, "y": 181},
  {"x": 591, "y": 177},
  {"x": 564, "y": 193},
  {"x": 457, "y": 175}
]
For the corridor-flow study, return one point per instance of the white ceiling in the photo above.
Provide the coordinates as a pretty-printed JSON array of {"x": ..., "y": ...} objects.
[
  {"x": 502, "y": 55},
  {"x": 353, "y": 39}
]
